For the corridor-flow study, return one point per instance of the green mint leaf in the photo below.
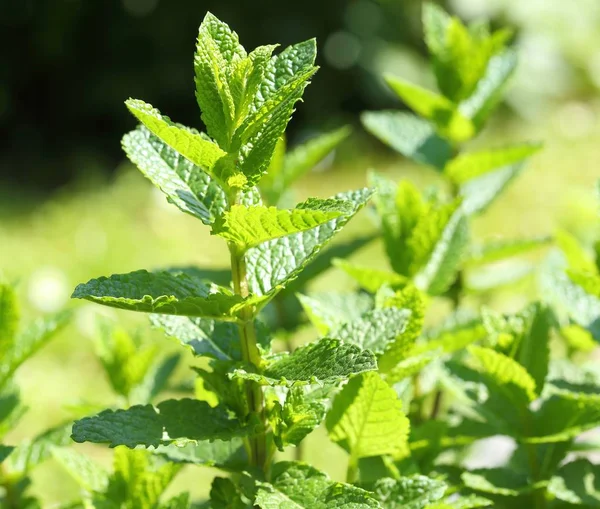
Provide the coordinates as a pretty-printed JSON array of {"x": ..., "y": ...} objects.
[
  {"x": 273, "y": 264},
  {"x": 157, "y": 379},
  {"x": 445, "y": 255},
  {"x": 589, "y": 281},
  {"x": 400, "y": 207},
  {"x": 532, "y": 348},
  {"x": 250, "y": 226},
  {"x": 28, "y": 342},
  {"x": 497, "y": 481},
  {"x": 285, "y": 78},
  {"x": 443, "y": 113},
  {"x": 410, "y": 135},
  {"x": 9, "y": 316},
  {"x": 88, "y": 474},
  {"x": 366, "y": 418},
  {"x": 299, "y": 486},
  {"x": 486, "y": 279},
  {"x": 191, "y": 145},
  {"x": 227, "y": 455},
  {"x": 139, "y": 478},
  {"x": 398, "y": 350},
  {"x": 124, "y": 360},
  {"x": 328, "y": 311},
  {"x": 499, "y": 249},
  {"x": 505, "y": 372},
  {"x": 210, "y": 338},
  {"x": 578, "y": 259},
  {"x": 410, "y": 366},
  {"x": 299, "y": 161},
  {"x": 224, "y": 494},
  {"x": 375, "y": 330},
  {"x": 5, "y": 451},
  {"x": 478, "y": 193},
  {"x": 186, "y": 185},
  {"x": 457, "y": 332},
  {"x": 471, "y": 165},
  {"x": 370, "y": 279},
  {"x": 415, "y": 492},
  {"x": 567, "y": 297},
  {"x": 30, "y": 453},
  {"x": 490, "y": 87},
  {"x": 175, "y": 293},
  {"x": 293, "y": 420},
  {"x": 460, "y": 56},
  {"x": 326, "y": 361},
  {"x": 568, "y": 411},
  {"x": 181, "y": 420},
  {"x": 217, "y": 53},
  {"x": 468, "y": 502},
  {"x": 577, "y": 483},
  {"x": 181, "y": 501}
]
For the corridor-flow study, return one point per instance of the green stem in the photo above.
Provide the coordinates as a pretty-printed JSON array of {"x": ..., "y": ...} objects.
[
  {"x": 352, "y": 472},
  {"x": 257, "y": 444}
]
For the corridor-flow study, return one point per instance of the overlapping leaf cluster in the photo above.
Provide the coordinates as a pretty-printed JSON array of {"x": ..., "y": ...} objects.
[
  {"x": 405, "y": 402},
  {"x": 19, "y": 343}
]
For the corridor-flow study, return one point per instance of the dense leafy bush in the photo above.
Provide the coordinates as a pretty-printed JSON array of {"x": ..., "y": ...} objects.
[{"x": 407, "y": 403}]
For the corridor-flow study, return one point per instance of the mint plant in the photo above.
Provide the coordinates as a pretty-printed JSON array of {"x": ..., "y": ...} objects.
[
  {"x": 404, "y": 401},
  {"x": 17, "y": 344},
  {"x": 137, "y": 374}
]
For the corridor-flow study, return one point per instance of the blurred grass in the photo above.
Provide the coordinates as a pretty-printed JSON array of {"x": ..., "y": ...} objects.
[{"x": 101, "y": 227}]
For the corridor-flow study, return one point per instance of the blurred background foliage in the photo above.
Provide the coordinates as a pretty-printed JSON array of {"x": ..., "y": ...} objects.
[{"x": 72, "y": 208}]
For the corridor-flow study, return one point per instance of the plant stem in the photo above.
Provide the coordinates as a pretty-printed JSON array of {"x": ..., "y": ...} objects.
[
  {"x": 250, "y": 353},
  {"x": 352, "y": 472}
]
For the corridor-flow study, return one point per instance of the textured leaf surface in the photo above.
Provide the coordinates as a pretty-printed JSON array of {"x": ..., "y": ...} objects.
[
  {"x": 171, "y": 420},
  {"x": 435, "y": 108},
  {"x": 490, "y": 87},
  {"x": 415, "y": 492},
  {"x": 210, "y": 338},
  {"x": 186, "y": 185},
  {"x": 366, "y": 418},
  {"x": 88, "y": 474},
  {"x": 272, "y": 264},
  {"x": 293, "y": 420},
  {"x": 299, "y": 486},
  {"x": 248, "y": 227},
  {"x": 399, "y": 350},
  {"x": 217, "y": 53},
  {"x": 445, "y": 257},
  {"x": 200, "y": 151},
  {"x": 413, "y": 137},
  {"x": 175, "y": 293},
  {"x": 286, "y": 77},
  {"x": 375, "y": 330},
  {"x": 228, "y": 455},
  {"x": 471, "y": 165},
  {"x": 327, "y": 360},
  {"x": 329, "y": 311},
  {"x": 478, "y": 193},
  {"x": 566, "y": 296}
]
